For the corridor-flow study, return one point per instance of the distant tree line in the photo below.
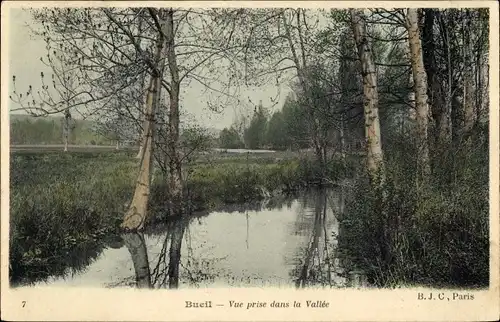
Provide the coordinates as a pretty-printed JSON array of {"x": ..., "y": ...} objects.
[{"x": 50, "y": 130}]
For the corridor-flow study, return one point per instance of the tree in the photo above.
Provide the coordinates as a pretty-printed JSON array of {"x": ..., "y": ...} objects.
[
  {"x": 372, "y": 124},
  {"x": 420, "y": 85},
  {"x": 111, "y": 51},
  {"x": 256, "y": 131},
  {"x": 230, "y": 139},
  {"x": 295, "y": 125},
  {"x": 280, "y": 43},
  {"x": 276, "y": 135},
  {"x": 67, "y": 127}
]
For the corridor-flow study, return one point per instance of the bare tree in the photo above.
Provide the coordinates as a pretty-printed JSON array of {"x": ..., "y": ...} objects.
[{"x": 110, "y": 52}]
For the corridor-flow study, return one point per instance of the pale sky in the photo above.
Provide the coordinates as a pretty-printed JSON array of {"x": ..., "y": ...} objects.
[{"x": 24, "y": 52}]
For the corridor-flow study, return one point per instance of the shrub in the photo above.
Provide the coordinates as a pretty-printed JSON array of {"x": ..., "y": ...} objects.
[{"x": 435, "y": 235}]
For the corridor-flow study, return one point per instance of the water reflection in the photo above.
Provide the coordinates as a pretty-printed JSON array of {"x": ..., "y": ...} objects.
[
  {"x": 312, "y": 264},
  {"x": 308, "y": 273},
  {"x": 316, "y": 262},
  {"x": 282, "y": 242},
  {"x": 137, "y": 248},
  {"x": 166, "y": 271}
]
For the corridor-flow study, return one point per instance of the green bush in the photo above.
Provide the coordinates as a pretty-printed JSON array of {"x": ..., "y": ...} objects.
[{"x": 436, "y": 234}]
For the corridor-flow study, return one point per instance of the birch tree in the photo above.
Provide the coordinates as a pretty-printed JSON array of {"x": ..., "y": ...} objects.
[
  {"x": 372, "y": 124},
  {"x": 420, "y": 88}
]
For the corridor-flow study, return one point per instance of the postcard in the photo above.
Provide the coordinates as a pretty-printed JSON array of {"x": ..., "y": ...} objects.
[{"x": 250, "y": 160}]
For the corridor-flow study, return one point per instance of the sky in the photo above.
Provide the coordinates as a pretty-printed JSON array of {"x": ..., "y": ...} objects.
[{"x": 25, "y": 50}]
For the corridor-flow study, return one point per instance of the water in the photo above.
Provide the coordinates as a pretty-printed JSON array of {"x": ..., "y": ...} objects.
[
  {"x": 286, "y": 243},
  {"x": 243, "y": 150}
]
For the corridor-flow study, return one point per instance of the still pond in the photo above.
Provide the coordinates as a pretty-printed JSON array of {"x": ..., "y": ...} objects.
[{"x": 284, "y": 242}]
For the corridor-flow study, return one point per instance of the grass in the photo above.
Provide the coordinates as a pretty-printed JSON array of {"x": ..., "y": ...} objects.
[
  {"x": 428, "y": 235},
  {"x": 61, "y": 205}
]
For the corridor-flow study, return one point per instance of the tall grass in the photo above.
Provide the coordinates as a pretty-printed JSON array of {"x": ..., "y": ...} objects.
[
  {"x": 436, "y": 235},
  {"x": 61, "y": 205}
]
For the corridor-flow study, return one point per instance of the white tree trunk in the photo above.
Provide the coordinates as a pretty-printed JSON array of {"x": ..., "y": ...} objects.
[
  {"x": 136, "y": 215},
  {"x": 420, "y": 89},
  {"x": 138, "y": 156},
  {"x": 372, "y": 122}
]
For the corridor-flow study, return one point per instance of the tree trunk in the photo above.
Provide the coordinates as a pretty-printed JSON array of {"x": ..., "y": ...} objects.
[
  {"x": 445, "y": 122},
  {"x": 420, "y": 89},
  {"x": 136, "y": 215},
  {"x": 66, "y": 129},
  {"x": 142, "y": 86},
  {"x": 370, "y": 90},
  {"x": 484, "y": 77},
  {"x": 437, "y": 88},
  {"x": 342, "y": 143},
  {"x": 137, "y": 247},
  {"x": 175, "y": 166},
  {"x": 469, "y": 92},
  {"x": 177, "y": 233},
  {"x": 468, "y": 100},
  {"x": 139, "y": 154},
  {"x": 143, "y": 134}
]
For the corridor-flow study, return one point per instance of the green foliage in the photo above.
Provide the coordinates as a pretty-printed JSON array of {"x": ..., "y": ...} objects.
[
  {"x": 230, "y": 139},
  {"x": 295, "y": 126},
  {"x": 61, "y": 205},
  {"x": 436, "y": 234},
  {"x": 195, "y": 139},
  {"x": 255, "y": 134},
  {"x": 277, "y": 135}
]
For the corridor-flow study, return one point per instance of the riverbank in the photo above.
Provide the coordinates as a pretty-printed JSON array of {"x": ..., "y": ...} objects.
[
  {"x": 406, "y": 233},
  {"x": 60, "y": 202}
]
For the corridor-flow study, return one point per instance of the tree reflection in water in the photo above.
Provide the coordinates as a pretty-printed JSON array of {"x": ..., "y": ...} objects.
[
  {"x": 137, "y": 247},
  {"x": 165, "y": 273},
  {"x": 315, "y": 263},
  {"x": 318, "y": 264},
  {"x": 166, "y": 270}
]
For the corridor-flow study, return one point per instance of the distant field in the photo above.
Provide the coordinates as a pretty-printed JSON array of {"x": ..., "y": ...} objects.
[{"x": 71, "y": 148}]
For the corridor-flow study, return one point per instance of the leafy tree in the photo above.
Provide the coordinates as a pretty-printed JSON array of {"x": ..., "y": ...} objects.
[
  {"x": 277, "y": 136},
  {"x": 255, "y": 134},
  {"x": 295, "y": 125},
  {"x": 229, "y": 138}
]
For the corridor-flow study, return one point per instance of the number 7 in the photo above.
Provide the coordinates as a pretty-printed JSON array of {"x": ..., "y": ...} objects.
[{"x": 24, "y": 303}]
